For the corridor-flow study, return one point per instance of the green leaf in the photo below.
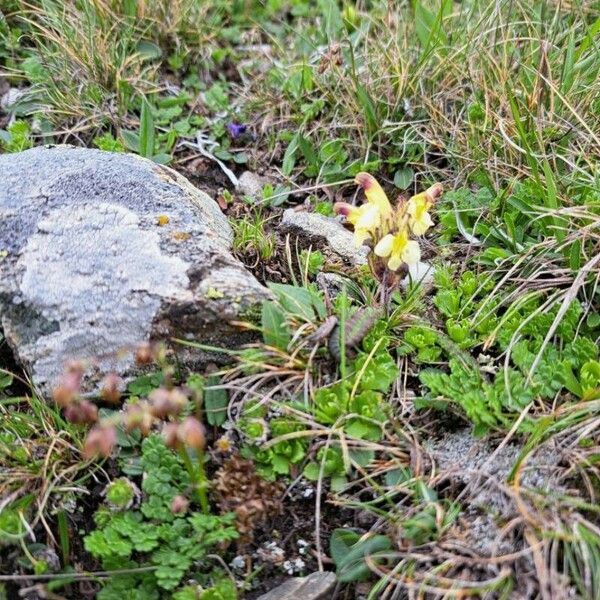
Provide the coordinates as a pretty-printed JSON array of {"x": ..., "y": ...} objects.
[
  {"x": 362, "y": 457},
  {"x": 274, "y": 327},
  {"x": 308, "y": 151},
  {"x": 593, "y": 320},
  {"x": 570, "y": 381},
  {"x": 144, "y": 384},
  {"x": 131, "y": 139},
  {"x": 6, "y": 380},
  {"x": 379, "y": 373},
  {"x": 403, "y": 178},
  {"x": 360, "y": 429},
  {"x": 338, "y": 482},
  {"x": 349, "y": 551},
  {"x": 163, "y": 158},
  {"x": 280, "y": 464},
  {"x": 146, "y": 148},
  {"x": 215, "y": 402},
  {"x": 369, "y": 112},
  {"x": 289, "y": 158},
  {"x": 298, "y": 301},
  {"x": 148, "y": 50},
  {"x": 311, "y": 471},
  {"x": 340, "y": 543},
  {"x": 334, "y": 24},
  {"x": 575, "y": 255}
]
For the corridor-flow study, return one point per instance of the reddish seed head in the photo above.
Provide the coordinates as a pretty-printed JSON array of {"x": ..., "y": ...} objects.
[
  {"x": 192, "y": 433},
  {"x": 81, "y": 412},
  {"x": 63, "y": 395},
  {"x": 170, "y": 433},
  {"x": 111, "y": 388},
  {"x": 100, "y": 441},
  {"x": 160, "y": 403},
  {"x": 179, "y": 505},
  {"x": 144, "y": 355},
  {"x": 68, "y": 388},
  {"x": 164, "y": 403},
  {"x": 138, "y": 416}
]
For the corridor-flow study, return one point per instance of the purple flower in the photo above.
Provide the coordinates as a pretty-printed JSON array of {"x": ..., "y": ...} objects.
[{"x": 235, "y": 129}]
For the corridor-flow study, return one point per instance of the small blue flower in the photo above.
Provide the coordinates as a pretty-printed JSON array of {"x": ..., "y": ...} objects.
[{"x": 235, "y": 129}]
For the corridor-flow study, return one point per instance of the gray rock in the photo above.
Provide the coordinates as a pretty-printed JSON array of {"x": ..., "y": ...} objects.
[
  {"x": 316, "y": 586},
  {"x": 319, "y": 229},
  {"x": 87, "y": 272}
]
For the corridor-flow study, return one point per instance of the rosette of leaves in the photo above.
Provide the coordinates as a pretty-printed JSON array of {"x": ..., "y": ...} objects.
[
  {"x": 280, "y": 457},
  {"x": 121, "y": 494},
  {"x": 329, "y": 463},
  {"x": 357, "y": 405},
  {"x": 333, "y": 404},
  {"x": 422, "y": 341}
]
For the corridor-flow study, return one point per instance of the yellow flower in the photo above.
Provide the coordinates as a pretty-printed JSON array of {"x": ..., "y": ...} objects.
[
  {"x": 365, "y": 219},
  {"x": 399, "y": 249},
  {"x": 419, "y": 219},
  {"x": 374, "y": 193}
]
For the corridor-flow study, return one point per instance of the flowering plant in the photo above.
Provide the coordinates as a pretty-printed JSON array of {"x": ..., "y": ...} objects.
[{"x": 387, "y": 229}]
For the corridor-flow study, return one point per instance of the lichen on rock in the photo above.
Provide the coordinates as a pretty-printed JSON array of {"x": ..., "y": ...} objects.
[{"x": 88, "y": 272}]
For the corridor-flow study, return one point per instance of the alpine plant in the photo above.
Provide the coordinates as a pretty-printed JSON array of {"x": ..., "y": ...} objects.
[{"x": 389, "y": 230}]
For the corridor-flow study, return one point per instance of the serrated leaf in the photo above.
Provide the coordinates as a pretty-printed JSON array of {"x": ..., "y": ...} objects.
[
  {"x": 311, "y": 471},
  {"x": 148, "y": 50}
]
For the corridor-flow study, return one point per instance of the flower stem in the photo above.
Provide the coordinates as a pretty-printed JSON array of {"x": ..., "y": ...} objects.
[{"x": 198, "y": 478}]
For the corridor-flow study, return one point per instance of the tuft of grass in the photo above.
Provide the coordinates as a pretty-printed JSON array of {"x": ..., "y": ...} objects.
[
  {"x": 251, "y": 237},
  {"x": 86, "y": 64}
]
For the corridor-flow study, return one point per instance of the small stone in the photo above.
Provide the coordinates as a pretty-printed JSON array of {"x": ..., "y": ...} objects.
[
  {"x": 315, "y": 586},
  {"x": 333, "y": 283},
  {"x": 420, "y": 272},
  {"x": 251, "y": 184},
  {"x": 319, "y": 229},
  {"x": 11, "y": 98},
  {"x": 238, "y": 563}
]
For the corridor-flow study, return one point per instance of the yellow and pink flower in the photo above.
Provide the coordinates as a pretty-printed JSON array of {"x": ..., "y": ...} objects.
[{"x": 387, "y": 228}]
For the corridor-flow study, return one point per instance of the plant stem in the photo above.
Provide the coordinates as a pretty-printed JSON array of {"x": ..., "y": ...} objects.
[{"x": 198, "y": 477}]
